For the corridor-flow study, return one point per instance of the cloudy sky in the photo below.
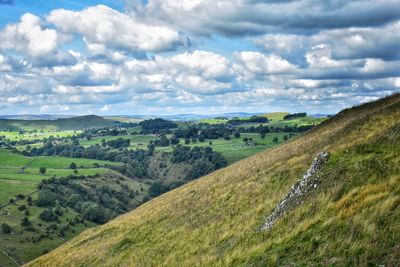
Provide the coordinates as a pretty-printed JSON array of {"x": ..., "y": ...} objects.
[{"x": 196, "y": 56}]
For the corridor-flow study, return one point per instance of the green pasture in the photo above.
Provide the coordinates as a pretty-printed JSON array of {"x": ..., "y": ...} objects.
[
  {"x": 16, "y": 136},
  {"x": 9, "y": 188},
  {"x": 235, "y": 149},
  {"x": 139, "y": 141},
  {"x": 213, "y": 121},
  {"x": 10, "y": 159},
  {"x": 275, "y": 116},
  {"x": 63, "y": 162},
  {"x": 304, "y": 121}
]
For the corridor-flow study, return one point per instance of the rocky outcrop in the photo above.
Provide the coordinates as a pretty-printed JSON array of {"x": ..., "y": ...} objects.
[{"x": 297, "y": 191}]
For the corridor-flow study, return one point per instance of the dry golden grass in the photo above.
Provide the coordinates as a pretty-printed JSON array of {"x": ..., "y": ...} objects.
[{"x": 351, "y": 219}]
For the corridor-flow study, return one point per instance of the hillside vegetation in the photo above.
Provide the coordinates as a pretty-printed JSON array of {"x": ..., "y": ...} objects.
[
  {"x": 75, "y": 123},
  {"x": 350, "y": 219}
]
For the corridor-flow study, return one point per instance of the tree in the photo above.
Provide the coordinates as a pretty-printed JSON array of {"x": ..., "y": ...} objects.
[
  {"x": 156, "y": 189},
  {"x": 29, "y": 200},
  {"x": 201, "y": 138},
  {"x": 5, "y": 228},
  {"x": 262, "y": 135},
  {"x": 164, "y": 140},
  {"x": 285, "y": 138},
  {"x": 210, "y": 143},
  {"x": 42, "y": 170},
  {"x": 25, "y": 222},
  {"x": 275, "y": 140},
  {"x": 237, "y": 134},
  {"x": 48, "y": 215},
  {"x": 174, "y": 141},
  {"x": 72, "y": 165},
  {"x": 46, "y": 198},
  {"x": 187, "y": 141},
  {"x": 226, "y": 136},
  {"x": 245, "y": 139},
  {"x": 95, "y": 213}
]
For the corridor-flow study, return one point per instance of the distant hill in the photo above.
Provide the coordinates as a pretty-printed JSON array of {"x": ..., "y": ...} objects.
[
  {"x": 345, "y": 213},
  {"x": 275, "y": 116},
  {"x": 74, "y": 123},
  {"x": 35, "y": 117}
]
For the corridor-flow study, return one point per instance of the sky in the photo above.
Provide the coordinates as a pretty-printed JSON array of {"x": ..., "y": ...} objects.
[{"x": 126, "y": 57}]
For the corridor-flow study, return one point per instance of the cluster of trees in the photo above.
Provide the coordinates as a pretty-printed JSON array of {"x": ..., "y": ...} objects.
[
  {"x": 6, "y": 228},
  {"x": 93, "y": 132},
  {"x": 4, "y": 142},
  {"x": 200, "y": 160},
  {"x": 164, "y": 141},
  {"x": 157, "y": 126},
  {"x": 117, "y": 143},
  {"x": 158, "y": 187},
  {"x": 263, "y": 129},
  {"x": 252, "y": 119},
  {"x": 202, "y": 132},
  {"x": 95, "y": 203},
  {"x": 294, "y": 116},
  {"x": 191, "y": 155}
]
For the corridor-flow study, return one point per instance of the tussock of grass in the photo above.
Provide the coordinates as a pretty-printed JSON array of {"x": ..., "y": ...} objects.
[{"x": 350, "y": 219}]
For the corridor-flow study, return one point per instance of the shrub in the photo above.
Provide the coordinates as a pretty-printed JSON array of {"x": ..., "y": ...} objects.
[
  {"x": 48, "y": 215},
  {"x": 5, "y": 228},
  {"x": 46, "y": 198}
]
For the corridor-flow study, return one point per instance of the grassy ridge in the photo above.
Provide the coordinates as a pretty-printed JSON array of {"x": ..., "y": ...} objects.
[
  {"x": 75, "y": 123},
  {"x": 351, "y": 219}
]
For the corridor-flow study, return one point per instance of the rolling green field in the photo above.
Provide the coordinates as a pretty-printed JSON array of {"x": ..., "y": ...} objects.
[
  {"x": 275, "y": 116},
  {"x": 276, "y": 120},
  {"x": 235, "y": 149},
  {"x": 20, "y": 172},
  {"x": 16, "y": 136},
  {"x": 10, "y": 159},
  {"x": 304, "y": 121},
  {"x": 12, "y": 187},
  {"x": 62, "y": 162},
  {"x": 137, "y": 141},
  {"x": 213, "y": 121}
]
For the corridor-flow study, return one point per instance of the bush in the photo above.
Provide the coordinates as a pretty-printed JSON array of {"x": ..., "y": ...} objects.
[
  {"x": 48, "y": 215},
  {"x": 25, "y": 222},
  {"x": 46, "y": 198},
  {"x": 156, "y": 189},
  {"x": 95, "y": 213},
  {"x": 42, "y": 170},
  {"x": 5, "y": 228}
]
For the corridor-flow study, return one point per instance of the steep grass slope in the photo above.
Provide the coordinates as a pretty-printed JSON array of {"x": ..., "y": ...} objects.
[
  {"x": 351, "y": 218},
  {"x": 74, "y": 123}
]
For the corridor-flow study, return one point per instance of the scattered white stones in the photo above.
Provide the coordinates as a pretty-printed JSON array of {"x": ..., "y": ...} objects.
[{"x": 299, "y": 189}]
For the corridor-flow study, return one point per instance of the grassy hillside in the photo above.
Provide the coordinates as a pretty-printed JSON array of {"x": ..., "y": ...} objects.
[
  {"x": 75, "y": 123},
  {"x": 350, "y": 219},
  {"x": 275, "y": 116}
]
